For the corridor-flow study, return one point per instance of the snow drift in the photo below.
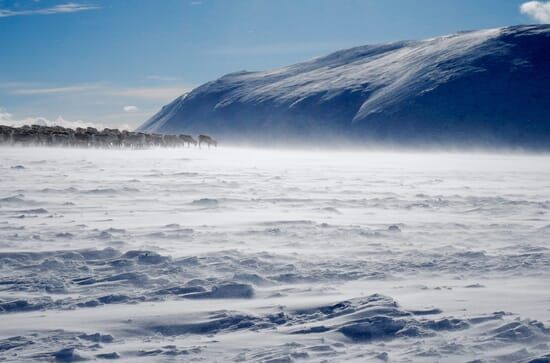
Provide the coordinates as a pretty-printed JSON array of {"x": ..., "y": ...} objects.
[
  {"x": 481, "y": 87},
  {"x": 254, "y": 255}
]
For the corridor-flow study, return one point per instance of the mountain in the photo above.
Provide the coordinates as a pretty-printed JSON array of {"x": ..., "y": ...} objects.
[{"x": 480, "y": 87}]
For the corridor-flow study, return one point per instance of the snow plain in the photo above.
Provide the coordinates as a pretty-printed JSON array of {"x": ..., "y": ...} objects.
[{"x": 235, "y": 254}]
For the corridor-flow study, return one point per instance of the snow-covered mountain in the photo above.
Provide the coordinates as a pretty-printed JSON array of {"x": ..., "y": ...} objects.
[{"x": 481, "y": 87}]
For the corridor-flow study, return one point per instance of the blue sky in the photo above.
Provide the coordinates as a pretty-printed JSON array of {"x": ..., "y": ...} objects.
[{"x": 117, "y": 62}]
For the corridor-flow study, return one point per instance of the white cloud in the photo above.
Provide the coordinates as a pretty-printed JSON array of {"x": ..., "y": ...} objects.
[
  {"x": 538, "y": 10},
  {"x": 57, "y": 90},
  {"x": 7, "y": 119},
  {"x": 153, "y": 93},
  {"x": 57, "y": 9},
  {"x": 130, "y": 108}
]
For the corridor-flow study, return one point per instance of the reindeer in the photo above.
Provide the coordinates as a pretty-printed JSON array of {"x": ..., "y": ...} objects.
[
  {"x": 187, "y": 139},
  {"x": 208, "y": 140},
  {"x": 171, "y": 140}
]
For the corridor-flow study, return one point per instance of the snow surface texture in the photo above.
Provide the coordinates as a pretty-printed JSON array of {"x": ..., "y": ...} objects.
[
  {"x": 273, "y": 256},
  {"x": 486, "y": 87}
]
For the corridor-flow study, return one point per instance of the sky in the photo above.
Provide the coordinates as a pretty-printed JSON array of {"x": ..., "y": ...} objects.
[{"x": 114, "y": 63}]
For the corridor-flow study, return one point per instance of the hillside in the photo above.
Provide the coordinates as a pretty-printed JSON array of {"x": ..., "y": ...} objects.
[{"x": 480, "y": 87}]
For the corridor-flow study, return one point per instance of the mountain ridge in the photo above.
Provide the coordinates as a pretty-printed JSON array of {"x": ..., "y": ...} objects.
[{"x": 476, "y": 87}]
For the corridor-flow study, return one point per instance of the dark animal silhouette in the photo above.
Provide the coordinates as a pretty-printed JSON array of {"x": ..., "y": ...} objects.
[
  {"x": 188, "y": 139},
  {"x": 207, "y": 140},
  {"x": 91, "y": 137}
]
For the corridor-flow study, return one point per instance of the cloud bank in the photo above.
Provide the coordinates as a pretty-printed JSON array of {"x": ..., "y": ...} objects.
[
  {"x": 538, "y": 10},
  {"x": 7, "y": 119},
  {"x": 57, "y": 9}
]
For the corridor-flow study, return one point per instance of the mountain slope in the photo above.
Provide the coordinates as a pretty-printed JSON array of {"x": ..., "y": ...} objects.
[{"x": 489, "y": 86}]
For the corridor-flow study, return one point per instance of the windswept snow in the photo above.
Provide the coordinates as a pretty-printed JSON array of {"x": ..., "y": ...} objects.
[{"x": 273, "y": 256}]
